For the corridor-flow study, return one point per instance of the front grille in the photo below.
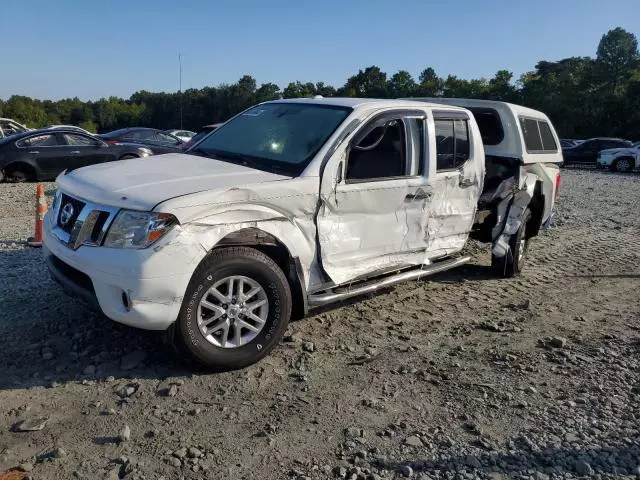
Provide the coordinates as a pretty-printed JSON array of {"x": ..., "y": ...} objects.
[{"x": 77, "y": 207}]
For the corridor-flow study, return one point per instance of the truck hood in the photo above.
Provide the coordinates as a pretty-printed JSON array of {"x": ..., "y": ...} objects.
[{"x": 141, "y": 184}]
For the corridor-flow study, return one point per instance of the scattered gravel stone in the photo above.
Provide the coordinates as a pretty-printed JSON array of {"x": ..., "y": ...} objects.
[
  {"x": 125, "y": 434},
  {"x": 413, "y": 442},
  {"x": 309, "y": 347},
  {"x": 174, "y": 462},
  {"x": 125, "y": 391},
  {"x": 25, "y": 467},
  {"x": 583, "y": 468},
  {"x": 558, "y": 342},
  {"x": 172, "y": 391},
  {"x": 30, "y": 425},
  {"x": 193, "y": 452}
]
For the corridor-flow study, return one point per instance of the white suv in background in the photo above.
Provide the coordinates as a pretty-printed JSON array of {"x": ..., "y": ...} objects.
[{"x": 620, "y": 159}]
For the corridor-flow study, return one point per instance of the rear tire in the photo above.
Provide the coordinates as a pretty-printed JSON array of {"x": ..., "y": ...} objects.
[
  {"x": 21, "y": 174},
  {"x": 207, "y": 333},
  {"x": 512, "y": 263}
]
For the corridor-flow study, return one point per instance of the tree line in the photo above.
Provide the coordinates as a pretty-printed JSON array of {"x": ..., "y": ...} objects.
[{"x": 584, "y": 96}]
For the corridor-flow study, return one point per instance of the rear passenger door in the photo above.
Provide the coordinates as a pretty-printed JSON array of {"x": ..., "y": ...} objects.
[
  {"x": 374, "y": 196},
  {"x": 456, "y": 175}
]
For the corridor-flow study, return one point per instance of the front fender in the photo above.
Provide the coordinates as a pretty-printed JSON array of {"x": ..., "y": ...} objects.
[{"x": 297, "y": 234}]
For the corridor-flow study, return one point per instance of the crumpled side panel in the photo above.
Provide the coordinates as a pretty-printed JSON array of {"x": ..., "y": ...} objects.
[
  {"x": 283, "y": 209},
  {"x": 510, "y": 210},
  {"x": 453, "y": 209}
]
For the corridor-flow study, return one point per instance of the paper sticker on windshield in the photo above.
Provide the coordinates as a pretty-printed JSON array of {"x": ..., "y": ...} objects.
[{"x": 254, "y": 112}]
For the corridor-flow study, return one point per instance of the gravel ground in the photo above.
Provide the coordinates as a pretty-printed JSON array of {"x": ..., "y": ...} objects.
[{"x": 462, "y": 376}]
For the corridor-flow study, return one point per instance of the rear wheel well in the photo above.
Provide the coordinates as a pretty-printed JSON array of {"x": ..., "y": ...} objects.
[
  {"x": 279, "y": 253},
  {"x": 26, "y": 168},
  {"x": 536, "y": 206}
]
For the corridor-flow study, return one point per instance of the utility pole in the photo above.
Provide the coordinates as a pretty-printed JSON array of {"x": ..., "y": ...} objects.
[{"x": 180, "y": 68}]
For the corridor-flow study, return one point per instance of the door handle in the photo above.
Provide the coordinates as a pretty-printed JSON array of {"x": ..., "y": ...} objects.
[
  {"x": 34, "y": 152},
  {"x": 419, "y": 195},
  {"x": 466, "y": 183}
]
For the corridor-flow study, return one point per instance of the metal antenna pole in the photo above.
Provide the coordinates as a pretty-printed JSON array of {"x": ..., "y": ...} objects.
[{"x": 180, "y": 66}]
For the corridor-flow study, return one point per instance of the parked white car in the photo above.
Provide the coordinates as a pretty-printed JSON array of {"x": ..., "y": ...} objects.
[
  {"x": 184, "y": 135},
  {"x": 10, "y": 127},
  {"x": 298, "y": 203},
  {"x": 620, "y": 159}
]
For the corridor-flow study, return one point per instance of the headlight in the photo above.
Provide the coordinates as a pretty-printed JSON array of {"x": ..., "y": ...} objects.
[
  {"x": 145, "y": 152},
  {"x": 133, "y": 229}
]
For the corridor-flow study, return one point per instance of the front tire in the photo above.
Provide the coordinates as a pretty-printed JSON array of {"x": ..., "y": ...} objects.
[
  {"x": 235, "y": 310},
  {"x": 623, "y": 165},
  {"x": 512, "y": 263}
]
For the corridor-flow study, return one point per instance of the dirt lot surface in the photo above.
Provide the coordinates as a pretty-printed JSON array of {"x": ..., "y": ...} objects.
[{"x": 462, "y": 376}]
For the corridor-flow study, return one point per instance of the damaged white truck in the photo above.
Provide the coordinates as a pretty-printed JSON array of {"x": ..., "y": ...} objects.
[{"x": 294, "y": 204}]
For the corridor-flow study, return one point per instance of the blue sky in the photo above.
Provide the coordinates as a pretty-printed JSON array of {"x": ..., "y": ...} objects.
[{"x": 98, "y": 48}]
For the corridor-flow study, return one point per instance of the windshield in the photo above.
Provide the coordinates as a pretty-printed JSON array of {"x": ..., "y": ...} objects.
[{"x": 281, "y": 137}]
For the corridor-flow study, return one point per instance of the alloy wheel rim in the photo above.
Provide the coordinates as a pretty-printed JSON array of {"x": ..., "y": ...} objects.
[
  {"x": 624, "y": 165},
  {"x": 233, "y": 312}
]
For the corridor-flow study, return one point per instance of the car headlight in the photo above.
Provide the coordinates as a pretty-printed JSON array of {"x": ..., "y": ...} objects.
[
  {"x": 133, "y": 229},
  {"x": 145, "y": 152}
]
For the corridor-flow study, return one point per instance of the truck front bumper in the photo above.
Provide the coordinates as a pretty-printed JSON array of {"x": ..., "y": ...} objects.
[{"x": 140, "y": 288}]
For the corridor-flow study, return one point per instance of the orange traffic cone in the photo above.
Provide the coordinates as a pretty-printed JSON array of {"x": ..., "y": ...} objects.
[{"x": 41, "y": 209}]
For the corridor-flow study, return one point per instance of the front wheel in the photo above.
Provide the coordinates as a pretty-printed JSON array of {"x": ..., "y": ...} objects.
[
  {"x": 512, "y": 263},
  {"x": 236, "y": 309},
  {"x": 623, "y": 165}
]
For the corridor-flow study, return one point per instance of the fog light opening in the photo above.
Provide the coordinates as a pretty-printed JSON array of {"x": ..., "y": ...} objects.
[{"x": 126, "y": 301}]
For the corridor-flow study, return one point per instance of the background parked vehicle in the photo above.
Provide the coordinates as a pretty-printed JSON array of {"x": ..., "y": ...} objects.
[
  {"x": 587, "y": 152},
  {"x": 569, "y": 142},
  {"x": 184, "y": 135},
  {"x": 620, "y": 159},
  {"x": 67, "y": 127},
  {"x": 42, "y": 154},
  {"x": 158, "y": 140},
  {"x": 203, "y": 132},
  {"x": 10, "y": 127}
]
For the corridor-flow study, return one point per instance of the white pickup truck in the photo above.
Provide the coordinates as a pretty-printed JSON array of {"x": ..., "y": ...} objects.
[{"x": 294, "y": 204}]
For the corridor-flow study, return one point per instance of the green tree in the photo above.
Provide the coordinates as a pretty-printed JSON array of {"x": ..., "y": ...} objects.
[
  {"x": 617, "y": 57},
  {"x": 370, "y": 82},
  {"x": 401, "y": 84},
  {"x": 430, "y": 84}
]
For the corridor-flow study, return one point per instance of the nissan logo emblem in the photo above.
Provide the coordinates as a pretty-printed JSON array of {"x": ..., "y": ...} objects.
[{"x": 66, "y": 214}]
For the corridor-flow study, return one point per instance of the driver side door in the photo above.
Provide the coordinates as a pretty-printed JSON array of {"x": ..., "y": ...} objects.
[{"x": 374, "y": 198}]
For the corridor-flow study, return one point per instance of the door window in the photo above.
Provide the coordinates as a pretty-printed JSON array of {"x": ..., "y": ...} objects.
[
  {"x": 163, "y": 139},
  {"x": 80, "y": 140},
  {"x": 380, "y": 152},
  {"x": 47, "y": 140},
  {"x": 452, "y": 143}
]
